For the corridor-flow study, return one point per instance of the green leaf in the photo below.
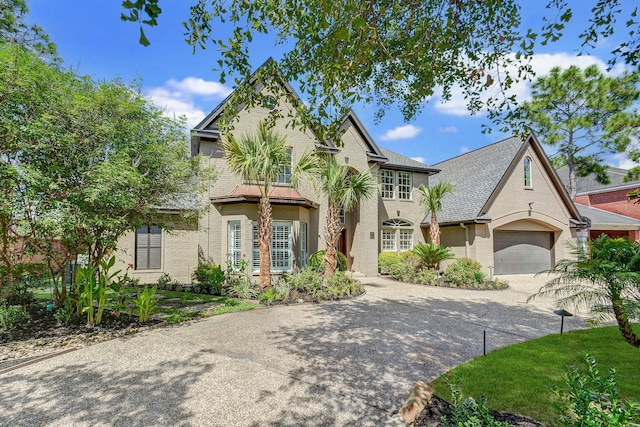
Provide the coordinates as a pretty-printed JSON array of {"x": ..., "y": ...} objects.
[{"x": 143, "y": 38}]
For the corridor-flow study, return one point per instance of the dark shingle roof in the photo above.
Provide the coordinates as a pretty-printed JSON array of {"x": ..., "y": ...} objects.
[
  {"x": 398, "y": 161},
  {"x": 601, "y": 217},
  {"x": 476, "y": 175},
  {"x": 588, "y": 184}
]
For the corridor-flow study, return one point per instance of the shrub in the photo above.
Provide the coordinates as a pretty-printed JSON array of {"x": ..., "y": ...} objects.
[
  {"x": 388, "y": 261},
  {"x": 269, "y": 296},
  {"x": 12, "y": 317},
  {"x": 242, "y": 288},
  {"x": 464, "y": 272},
  {"x": 427, "y": 276},
  {"x": 469, "y": 413},
  {"x": 164, "y": 281},
  {"x": 316, "y": 261},
  {"x": 210, "y": 278},
  {"x": 306, "y": 281},
  {"x": 431, "y": 255},
  {"x": 65, "y": 314},
  {"x": 21, "y": 293},
  {"x": 339, "y": 285},
  {"x": 403, "y": 271},
  {"x": 591, "y": 400}
]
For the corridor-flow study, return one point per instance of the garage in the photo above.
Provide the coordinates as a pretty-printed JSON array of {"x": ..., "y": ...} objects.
[{"x": 522, "y": 252}]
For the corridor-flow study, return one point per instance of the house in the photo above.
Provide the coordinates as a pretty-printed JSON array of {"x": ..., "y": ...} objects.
[
  {"x": 510, "y": 211},
  {"x": 227, "y": 233},
  {"x": 607, "y": 205}
]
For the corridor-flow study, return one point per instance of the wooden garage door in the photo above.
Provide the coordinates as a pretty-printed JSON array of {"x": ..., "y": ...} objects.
[{"x": 522, "y": 252}]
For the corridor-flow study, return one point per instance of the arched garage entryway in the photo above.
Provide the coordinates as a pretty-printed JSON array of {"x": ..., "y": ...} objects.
[{"x": 523, "y": 247}]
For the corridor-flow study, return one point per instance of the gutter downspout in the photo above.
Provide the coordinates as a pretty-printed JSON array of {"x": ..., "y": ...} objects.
[{"x": 466, "y": 239}]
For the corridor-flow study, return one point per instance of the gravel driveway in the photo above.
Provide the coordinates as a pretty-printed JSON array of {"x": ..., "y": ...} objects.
[{"x": 337, "y": 363}]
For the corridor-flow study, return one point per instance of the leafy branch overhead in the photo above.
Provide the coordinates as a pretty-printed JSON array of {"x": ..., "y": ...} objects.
[{"x": 389, "y": 53}]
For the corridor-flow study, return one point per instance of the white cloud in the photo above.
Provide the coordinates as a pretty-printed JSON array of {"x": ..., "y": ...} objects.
[
  {"x": 448, "y": 129},
  {"x": 419, "y": 159},
  {"x": 180, "y": 98},
  {"x": 622, "y": 160},
  {"x": 401, "y": 132},
  {"x": 464, "y": 149},
  {"x": 541, "y": 65}
]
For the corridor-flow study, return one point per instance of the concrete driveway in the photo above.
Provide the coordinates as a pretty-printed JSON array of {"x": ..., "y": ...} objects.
[{"x": 338, "y": 363}]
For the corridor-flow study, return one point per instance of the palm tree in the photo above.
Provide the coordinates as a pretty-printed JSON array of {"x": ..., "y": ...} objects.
[
  {"x": 343, "y": 187},
  {"x": 258, "y": 159},
  {"x": 606, "y": 281},
  {"x": 431, "y": 200}
]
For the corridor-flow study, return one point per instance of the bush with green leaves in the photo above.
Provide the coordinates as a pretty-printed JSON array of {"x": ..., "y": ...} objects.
[
  {"x": 316, "y": 261},
  {"x": 306, "y": 281},
  {"x": 431, "y": 255},
  {"x": 21, "y": 293},
  {"x": 12, "y": 317},
  {"x": 210, "y": 278},
  {"x": 242, "y": 288},
  {"x": 65, "y": 314},
  {"x": 592, "y": 400},
  {"x": 464, "y": 272},
  {"x": 269, "y": 296},
  {"x": 466, "y": 412},
  {"x": 428, "y": 276},
  {"x": 339, "y": 285},
  {"x": 165, "y": 281},
  {"x": 388, "y": 261}
]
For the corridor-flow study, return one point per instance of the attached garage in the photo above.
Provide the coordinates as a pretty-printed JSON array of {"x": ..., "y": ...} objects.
[{"x": 522, "y": 252}]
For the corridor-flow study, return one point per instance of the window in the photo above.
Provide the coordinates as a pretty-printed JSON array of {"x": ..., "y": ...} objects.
[
  {"x": 234, "y": 243},
  {"x": 269, "y": 103},
  {"x": 341, "y": 216},
  {"x": 284, "y": 177},
  {"x": 397, "y": 233},
  {"x": 281, "y": 246},
  {"x": 303, "y": 245},
  {"x": 388, "y": 240},
  {"x": 388, "y": 184},
  {"x": 148, "y": 247},
  {"x": 404, "y": 185},
  {"x": 406, "y": 239},
  {"x": 527, "y": 172}
]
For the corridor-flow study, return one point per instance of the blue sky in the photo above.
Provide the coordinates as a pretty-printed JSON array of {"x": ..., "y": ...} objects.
[{"x": 93, "y": 40}]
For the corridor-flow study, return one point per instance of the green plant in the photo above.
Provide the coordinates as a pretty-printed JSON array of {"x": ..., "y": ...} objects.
[
  {"x": 466, "y": 412},
  {"x": 387, "y": 261},
  {"x": 210, "y": 278},
  {"x": 146, "y": 304},
  {"x": 269, "y": 296},
  {"x": 21, "y": 293},
  {"x": 316, "y": 262},
  {"x": 431, "y": 255},
  {"x": 339, "y": 285},
  {"x": 242, "y": 288},
  {"x": 164, "y": 280},
  {"x": 306, "y": 281},
  {"x": 12, "y": 317},
  {"x": 427, "y": 276},
  {"x": 592, "y": 400},
  {"x": 120, "y": 296},
  {"x": 65, "y": 314},
  {"x": 464, "y": 272}
]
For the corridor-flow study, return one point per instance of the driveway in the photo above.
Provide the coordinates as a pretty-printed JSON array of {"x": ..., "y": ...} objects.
[{"x": 337, "y": 363}]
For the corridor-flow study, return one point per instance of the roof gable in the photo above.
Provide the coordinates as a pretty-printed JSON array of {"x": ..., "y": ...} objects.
[{"x": 480, "y": 176}]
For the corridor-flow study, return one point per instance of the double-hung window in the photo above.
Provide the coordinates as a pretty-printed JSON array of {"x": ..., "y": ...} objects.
[
  {"x": 387, "y": 180},
  {"x": 148, "y": 247},
  {"x": 284, "y": 177},
  {"x": 303, "y": 245},
  {"x": 404, "y": 185},
  {"x": 234, "y": 243}
]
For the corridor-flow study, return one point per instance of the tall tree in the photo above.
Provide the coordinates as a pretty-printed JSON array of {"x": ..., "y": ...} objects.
[
  {"x": 585, "y": 115},
  {"x": 15, "y": 30},
  {"x": 343, "y": 188},
  {"x": 432, "y": 199},
  {"x": 258, "y": 159},
  {"x": 605, "y": 280},
  {"x": 383, "y": 52}
]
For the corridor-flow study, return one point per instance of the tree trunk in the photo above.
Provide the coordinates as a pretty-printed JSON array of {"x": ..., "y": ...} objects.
[
  {"x": 264, "y": 241},
  {"x": 623, "y": 324},
  {"x": 334, "y": 228},
  {"x": 434, "y": 229}
]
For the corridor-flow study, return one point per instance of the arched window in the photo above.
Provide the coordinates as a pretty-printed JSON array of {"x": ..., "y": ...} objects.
[
  {"x": 527, "y": 172},
  {"x": 397, "y": 235}
]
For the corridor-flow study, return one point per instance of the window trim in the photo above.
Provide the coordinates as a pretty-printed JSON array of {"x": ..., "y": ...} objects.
[
  {"x": 148, "y": 247},
  {"x": 405, "y": 190},
  {"x": 388, "y": 178},
  {"x": 255, "y": 246},
  {"x": 528, "y": 178},
  {"x": 234, "y": 242},
  {"x": 303, "y": 244},
  {"x": 286, "y": 170}
]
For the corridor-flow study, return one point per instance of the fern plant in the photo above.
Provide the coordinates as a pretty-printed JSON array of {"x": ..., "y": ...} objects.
[{"x": 431, "y": 255}]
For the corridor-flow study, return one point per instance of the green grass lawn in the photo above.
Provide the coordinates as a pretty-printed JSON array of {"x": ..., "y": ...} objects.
[{"x": 519, "y": 378}]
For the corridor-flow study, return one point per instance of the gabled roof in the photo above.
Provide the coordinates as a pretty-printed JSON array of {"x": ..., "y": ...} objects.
[
  {"x": 589, "y": 185},
  {"x": 603, "y": 220},
  {"x": 374, "y": 153},
  {"x": 481, "y": 174}
]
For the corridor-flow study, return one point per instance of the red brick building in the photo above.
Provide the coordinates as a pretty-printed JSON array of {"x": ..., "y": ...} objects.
[{"x": 610, "y": 197}]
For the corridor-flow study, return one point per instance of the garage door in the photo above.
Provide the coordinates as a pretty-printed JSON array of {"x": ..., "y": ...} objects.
[{"x": 522, "y": 252}]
